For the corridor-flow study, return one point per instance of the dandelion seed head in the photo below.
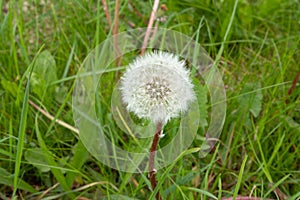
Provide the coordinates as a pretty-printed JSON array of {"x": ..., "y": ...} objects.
[{"x": 157, "y": 86}]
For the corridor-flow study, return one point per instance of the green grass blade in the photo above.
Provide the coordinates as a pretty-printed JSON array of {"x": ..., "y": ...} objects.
[
  {"x": 21, "y": 138},
  {"x": 265, "y": 166},
  {"x": 295, "y": 197},
  {"x": 79, "y": 158},
  {"x": 276, "y": 185},
  {"x": 49, "y": 158},
  {"x": 169, "y": 168},
  {"x": 206, "y": 193},
  {"x": 8, "y": 179},
  {"x": 220, "y": 52},
  {"x": 209, "y": 168},
  {"x": 276, "y": 149},
  {"x": 238, "y": 184}
]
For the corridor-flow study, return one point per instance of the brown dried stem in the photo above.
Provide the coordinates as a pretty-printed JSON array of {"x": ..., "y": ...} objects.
[
  {"x": 150, "y": 24},
  {"x": 293, "y": 86},
  {"x": 115, "y": 33},
  {"x": 137, "y": 13},
  {"x": 106, "y": 12},
  {"x": 152, "y": 171},
  {"x": 49, "y": 116}
]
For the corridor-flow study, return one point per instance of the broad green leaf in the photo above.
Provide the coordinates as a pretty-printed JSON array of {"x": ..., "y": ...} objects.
[
  {"x": 79, "y": 158},
  {"x": 10, "y": 87},
  {"x": 181, "y": 181},
  {"x": 35, "y": 157},
  {"x": 44, "y": 73},
  {"x": 245, "y": 10},
  {"x": 268, "y": 6},
  {"x": 60, "y": 93},
  {"x": 251, "y": 99},
  {"x": 292, "y": 123},
  {"x": 51, "y": 161}
]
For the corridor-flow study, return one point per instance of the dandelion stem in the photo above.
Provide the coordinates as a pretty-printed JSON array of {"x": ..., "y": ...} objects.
[{"x": 152, "y": 171}]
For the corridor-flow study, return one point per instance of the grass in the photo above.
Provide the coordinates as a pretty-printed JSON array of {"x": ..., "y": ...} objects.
[{"x": 256, "y": 44}]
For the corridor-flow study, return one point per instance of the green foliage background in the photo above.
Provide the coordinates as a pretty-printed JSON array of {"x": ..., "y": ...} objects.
[{"x": 258, "y": 154}]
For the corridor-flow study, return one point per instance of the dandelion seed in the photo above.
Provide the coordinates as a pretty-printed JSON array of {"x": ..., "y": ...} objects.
[{"x": 157, "y": 86}]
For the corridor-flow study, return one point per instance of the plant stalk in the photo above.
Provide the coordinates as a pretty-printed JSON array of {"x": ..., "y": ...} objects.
[{"x": 152, "y": 171}]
